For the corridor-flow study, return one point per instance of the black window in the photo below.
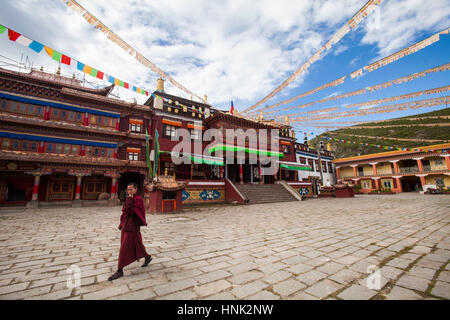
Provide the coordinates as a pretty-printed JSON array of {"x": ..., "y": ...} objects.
[{"x": 169, "y": 131}]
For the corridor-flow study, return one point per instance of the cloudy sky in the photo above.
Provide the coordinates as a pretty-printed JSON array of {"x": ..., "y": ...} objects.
[{"x": 237, "y": 50}]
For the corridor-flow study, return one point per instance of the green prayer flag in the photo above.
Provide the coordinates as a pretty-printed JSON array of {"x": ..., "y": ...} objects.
[
  {"x": 94, "y": 72},
  {"x": 121, "y": 83},
  {"x": 147, "y": 149},
  {"x": 156, "y": 153},
  {"x": 2, "y": 29},
  {"x": 57, "y": 56}
]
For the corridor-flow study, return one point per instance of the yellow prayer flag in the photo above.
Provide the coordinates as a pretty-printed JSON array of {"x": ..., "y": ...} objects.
[
  {"x": 87, "y": 69},
  {"x": 49, "y": 51}
]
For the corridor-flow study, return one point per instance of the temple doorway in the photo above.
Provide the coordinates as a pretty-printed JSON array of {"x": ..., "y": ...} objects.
[{"x": 411, "y": 184}]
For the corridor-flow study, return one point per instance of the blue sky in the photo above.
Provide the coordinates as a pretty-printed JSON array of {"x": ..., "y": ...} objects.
[{"x": 240, "y": 50}]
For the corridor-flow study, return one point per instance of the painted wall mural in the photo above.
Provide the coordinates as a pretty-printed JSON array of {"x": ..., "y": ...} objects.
[{"x": 202, "y": 195}]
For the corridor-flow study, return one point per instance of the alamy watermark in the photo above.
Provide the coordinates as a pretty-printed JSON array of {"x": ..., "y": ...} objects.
[
  {"x": 74, "y": 276},
  {"x": 373, "y": 281},
  {"x": 237, "y": 146}
]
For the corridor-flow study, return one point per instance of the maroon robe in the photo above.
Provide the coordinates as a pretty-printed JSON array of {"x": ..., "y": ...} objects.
[{"x": 132, "y": 218}]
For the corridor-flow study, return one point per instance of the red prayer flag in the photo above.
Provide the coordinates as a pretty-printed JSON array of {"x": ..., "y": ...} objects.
[
  {"x": 66, "y": 60},
  {"x": 126, "y": 85},
  {"x": 13, "y": 35},
  {"x": 100, "y": 75}
]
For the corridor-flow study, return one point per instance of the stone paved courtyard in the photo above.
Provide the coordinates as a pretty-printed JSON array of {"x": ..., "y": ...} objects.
[{"x": 315, "y": 249}]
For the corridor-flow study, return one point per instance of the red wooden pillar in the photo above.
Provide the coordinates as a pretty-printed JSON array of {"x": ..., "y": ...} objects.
[
  {"x": 41, "y": 148},
  {"x": 422, "y": 181},
  {"x": 447, "y": 161},
  {"x": 86, "y": 119},
  {"x": 396, "y": 167},
  {"x": 37, "y": 179},
  {"x": 261, "y": 180},
  {"x": 221, "y": 172},
  {"x": 78, "y": 189},
  {"x": 374, "y": 168},
  {"x": 241, "y": 174},
  {"x": 355, "y": 171},
  {"x": 118, "y": 124},
  {"x": 398, "y": 182},
  {"x": 47, "y": 113},
  {"x": 337, "y": 175},
  {"x": 114, "y": 187},
  {"x": 377, "y": 184},
  {"x": 420, "y": 165}
]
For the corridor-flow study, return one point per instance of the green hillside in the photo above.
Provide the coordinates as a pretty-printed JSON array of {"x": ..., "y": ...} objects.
[{"x": 409, "y": 129}]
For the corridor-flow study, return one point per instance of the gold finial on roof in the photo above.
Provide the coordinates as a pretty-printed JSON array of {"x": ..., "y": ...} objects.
[{"x": 160, "y": 84}]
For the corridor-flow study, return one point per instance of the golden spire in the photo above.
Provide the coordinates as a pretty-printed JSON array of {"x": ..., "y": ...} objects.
[{"x": 160, "y": 85}]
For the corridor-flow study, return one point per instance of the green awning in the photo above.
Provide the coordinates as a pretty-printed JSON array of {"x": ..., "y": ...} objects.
[
  {"x": 295, "y": 167},
  {"x": 225, "y": 147},
  {"x": 200, "y": 159}
]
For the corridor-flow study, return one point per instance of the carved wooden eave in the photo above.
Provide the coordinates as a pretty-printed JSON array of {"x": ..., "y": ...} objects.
[
  {"x": 68, "y": 159},
  {"x": 179, "y": 99},
  {"x": 59, "y": 132},
  {"x": 55, "y": 81},
  {"x": 237, "y": 120},
  {"x": 93, "y": 97},
  {"x": 60, "y": 124}
]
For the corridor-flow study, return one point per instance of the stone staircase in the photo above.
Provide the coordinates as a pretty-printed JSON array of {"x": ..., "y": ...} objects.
[{"x": 265, "y": 193}]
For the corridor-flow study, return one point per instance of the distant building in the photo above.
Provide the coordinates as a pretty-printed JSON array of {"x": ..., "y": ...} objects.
[
  {"x": 308, "y": 156},
  {"x": 399, "y": 171}
]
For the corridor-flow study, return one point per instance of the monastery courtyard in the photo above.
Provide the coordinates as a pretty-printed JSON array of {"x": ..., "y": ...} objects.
[{"x": 316, "y": 249}]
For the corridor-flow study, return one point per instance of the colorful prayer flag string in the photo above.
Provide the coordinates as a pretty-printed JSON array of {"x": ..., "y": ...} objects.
[
  {"x": 381, "y": 146},
  {"x": 62, "y": 58},
  {"x": 369, "y": 68},
  {"x": 351, "y": 24}
]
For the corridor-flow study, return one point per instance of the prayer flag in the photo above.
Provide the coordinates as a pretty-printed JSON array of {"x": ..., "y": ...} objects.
[
  {"x": 49, "y": 51},
  {"x": 13, "y": 35},
  {"x": 156, "y": 153},
  {"x": 66, "y": 60},
  {"x": 57, "y": 56},
  {"x": 2, "y": 29},
  {"x": 232, "y": 108},
  {"x": 93, "y": 72},
  {"x": 147, "y": 148},
  {"x": 87, "y": 69},
  {"x": 24, "y": 41},
  {"x": 80, "y": 66},
  {"x": 36, "y": 46}
]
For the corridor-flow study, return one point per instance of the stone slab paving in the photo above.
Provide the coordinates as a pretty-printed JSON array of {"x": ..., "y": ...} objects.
[{"x": 367, "y": 247}]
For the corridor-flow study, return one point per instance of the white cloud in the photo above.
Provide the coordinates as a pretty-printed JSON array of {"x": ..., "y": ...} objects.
[
  {"x": 400, "y": 22},
  {"x": 238, "y": 50}
]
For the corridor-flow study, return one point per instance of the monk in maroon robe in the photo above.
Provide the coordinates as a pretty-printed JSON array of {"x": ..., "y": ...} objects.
[{"x": 132, "y": 218}]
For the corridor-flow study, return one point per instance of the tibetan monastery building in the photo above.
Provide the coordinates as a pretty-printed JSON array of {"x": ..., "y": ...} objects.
[
  {"x": 398, "y": 171},
  {"x": 64, "y": 144}
]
